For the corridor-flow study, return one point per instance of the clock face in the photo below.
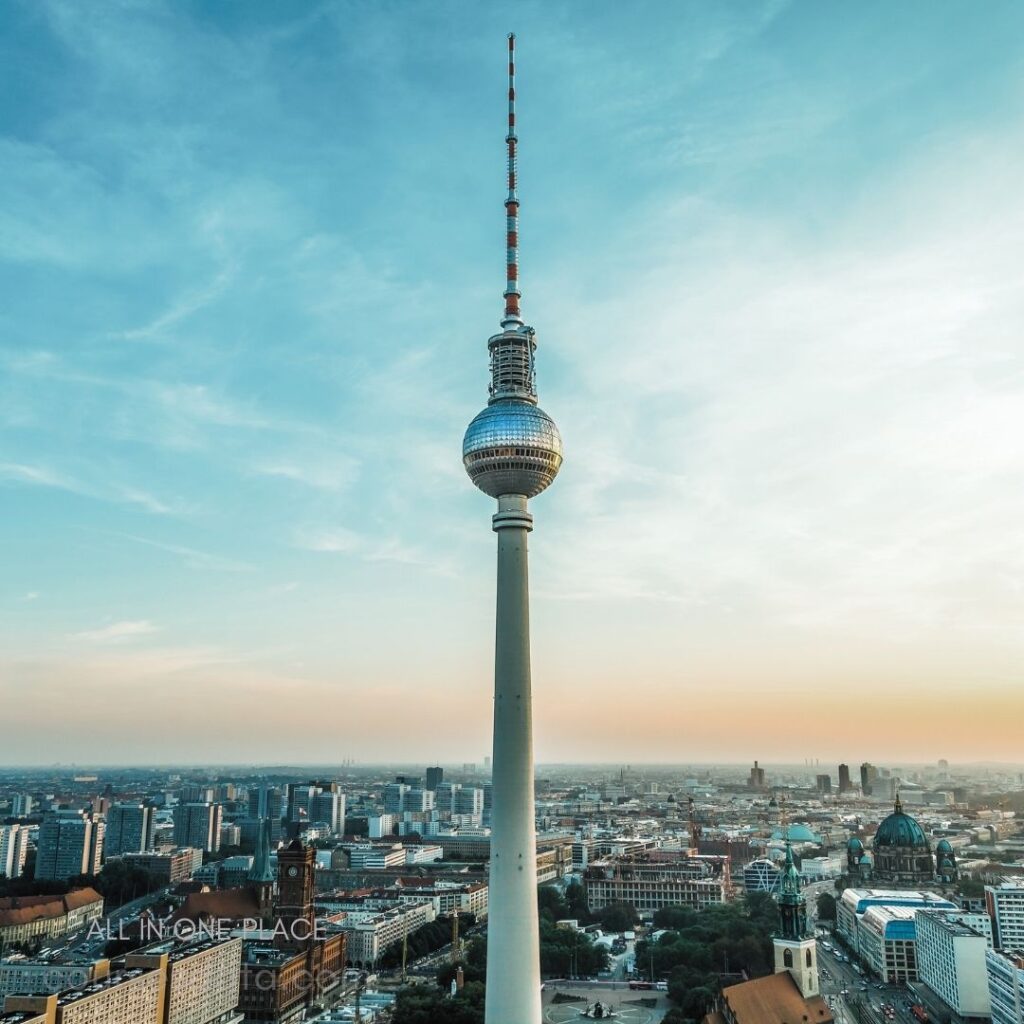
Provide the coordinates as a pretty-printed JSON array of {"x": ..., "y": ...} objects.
[{"x": 293, "y": 871}]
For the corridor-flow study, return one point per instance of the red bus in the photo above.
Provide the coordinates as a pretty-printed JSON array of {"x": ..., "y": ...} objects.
[{"x": 920, "y": 1013}]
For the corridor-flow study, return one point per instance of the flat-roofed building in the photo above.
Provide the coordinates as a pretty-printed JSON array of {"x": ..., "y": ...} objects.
[
  {"x": 70, "y": 844},
  {"x": 132, "y": 996},
  {"x": 951, "y": 952},
  {"x": 23, "y": 975},
  {"x": 1005, "y": 986},
  {"x": 198, "y": 825},
  {"x": 170, "y": 867},
  {"x": 13, "y": 849},
  {"x": 203, "y": 979},
  {"x": 658, "y": 879},
  {"x": 1005, "y": 905},
  {"x": 854, "y": 904},
  {"x": 130, "y": 829}
]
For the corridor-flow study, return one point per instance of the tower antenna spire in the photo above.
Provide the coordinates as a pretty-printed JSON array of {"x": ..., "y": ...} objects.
[{"x": 512, "y": 317}]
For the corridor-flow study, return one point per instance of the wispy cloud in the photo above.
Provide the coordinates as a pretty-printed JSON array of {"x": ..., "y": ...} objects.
[
  {"x": 118, "y": 632},
  {"x": 192, "y": 557},
  {"x": 104, "y": 490},
  {"x": 341, "y": 541},
  {"x": 41, "y": 476}
]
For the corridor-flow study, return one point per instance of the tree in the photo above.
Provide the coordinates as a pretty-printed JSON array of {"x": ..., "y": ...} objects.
[
  {"x": 697, "y": 947},
  {"x": 826, "y": 907},
  {"x": 617, "y": 917},
  {"x": 425, "y": 1005}
]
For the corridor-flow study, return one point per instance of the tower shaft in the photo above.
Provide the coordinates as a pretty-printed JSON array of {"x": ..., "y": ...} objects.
[{"x": 513, "y": 942}]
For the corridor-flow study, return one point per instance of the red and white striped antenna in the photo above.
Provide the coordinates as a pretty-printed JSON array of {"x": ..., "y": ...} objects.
[{"x": 512, "y": 315}]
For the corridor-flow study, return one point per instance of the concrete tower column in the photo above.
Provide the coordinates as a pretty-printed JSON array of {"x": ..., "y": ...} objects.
[{"x": 513, "y": 944}]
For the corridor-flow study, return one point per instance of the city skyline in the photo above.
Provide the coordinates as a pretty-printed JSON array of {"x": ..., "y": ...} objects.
[{"x": 774, "y": 266}]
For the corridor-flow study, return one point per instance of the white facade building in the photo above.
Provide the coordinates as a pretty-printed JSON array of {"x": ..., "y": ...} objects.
[
  {"x": 13, "y": 849},
  {"x": 951, "y": 952},
  {"x": 1005, "y": 905}
]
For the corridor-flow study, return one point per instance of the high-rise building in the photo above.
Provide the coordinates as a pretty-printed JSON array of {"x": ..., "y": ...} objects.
[
  {"x": 1005, "y": 986},
  {"x": 13, "y": 850},
  {"x": 394, "y": 797},
  {"x": 329, "y": 807},
  {"x": 469, "y": 800},
  {"x": 868, "y": 775},
  {"x": 844, "y": 779},
  {"x": 951, "y": 959},
  {"x": 21, "y": 805},
  {"x": 1005, "y": 905},
  {"x": 202, "y": 978},
  {"x": 198, "y": 826},
  {"x": 435, "y": 776},
  {"x": 444, "y": 797},
  {"x": 196, "y": 795},
  {"x": 129, "y": 829},
  {"x": 265, "y": 802},
  {"x": 824, "y": 784},
  {"x": 756, "y": 779},
  {"x": 512, "y": 451},
  {"x": 70, "y": 843}
]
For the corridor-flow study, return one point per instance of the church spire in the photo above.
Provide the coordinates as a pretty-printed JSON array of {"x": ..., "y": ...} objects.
[
  {"x": 260, "y": 873},
  {"x": 792, "y": 905}
]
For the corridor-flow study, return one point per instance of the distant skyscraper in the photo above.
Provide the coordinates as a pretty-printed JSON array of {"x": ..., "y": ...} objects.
[
  {"x": 21, "y": 805},
  {"x": 512, "y": 451},
  {"x": 844, "y": 779},
  {"x": 13, "y": 850},
  {"x": 265, "y": 802},
  {"x": 70, "y": 843},
  {"x": 868, "y": 775},
  {"x": 330, "y": 808},
  {"x": 435, "y": 776},
  {"x": 129, "y": 829},
  {"x": 198, "y": 826},
  {"x": 756, "y": 779},
  {"x": 824, "y": 783},
  {"x": 394, "y": 797}
]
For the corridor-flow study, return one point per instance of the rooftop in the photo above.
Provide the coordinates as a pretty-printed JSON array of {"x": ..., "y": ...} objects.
[{"x": 774, "y": 999}]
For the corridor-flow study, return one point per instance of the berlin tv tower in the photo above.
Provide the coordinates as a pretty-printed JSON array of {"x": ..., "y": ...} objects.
[{"x": 512, "y": 451}]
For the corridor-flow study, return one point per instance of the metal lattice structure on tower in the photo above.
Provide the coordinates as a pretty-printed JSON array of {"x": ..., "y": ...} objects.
[{"x": 512, "y": 451}]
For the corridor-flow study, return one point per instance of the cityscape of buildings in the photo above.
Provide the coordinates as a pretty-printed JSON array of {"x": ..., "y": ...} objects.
[{"x": 926, "y": 870}]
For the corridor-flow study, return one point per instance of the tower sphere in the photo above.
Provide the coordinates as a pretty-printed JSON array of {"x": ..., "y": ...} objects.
[{"x": 512, "y": 447}]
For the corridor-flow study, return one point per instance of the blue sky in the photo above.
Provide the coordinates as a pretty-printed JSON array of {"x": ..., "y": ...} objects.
[{"x": 250, "y": 254}]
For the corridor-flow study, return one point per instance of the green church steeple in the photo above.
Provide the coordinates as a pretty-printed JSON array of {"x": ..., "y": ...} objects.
[{"x": 792, "y": 905}]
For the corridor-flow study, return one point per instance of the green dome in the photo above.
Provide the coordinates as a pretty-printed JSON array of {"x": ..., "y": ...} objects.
[
  {"x": 854, "y": 845},
  {"x": 796, "y": 834},
  {"x": 901, "y": 830},
  {"x": 943, "y": 846}
]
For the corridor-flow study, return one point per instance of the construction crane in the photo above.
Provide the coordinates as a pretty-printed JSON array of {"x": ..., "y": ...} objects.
[{"x": 695, "y": 829}]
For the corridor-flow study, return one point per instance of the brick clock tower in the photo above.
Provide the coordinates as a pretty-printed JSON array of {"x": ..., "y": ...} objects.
[{"x": 295, "y": 881}]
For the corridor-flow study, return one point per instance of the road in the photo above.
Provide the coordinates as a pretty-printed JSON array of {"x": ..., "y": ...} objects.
[{"x": 838, "y": 976}]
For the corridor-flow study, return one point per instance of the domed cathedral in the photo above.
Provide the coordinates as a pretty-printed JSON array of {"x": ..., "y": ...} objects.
[
  {"x": 903, "y": 856},
  {"x": 945, "y": 862},
  {"x": 858, "y": 861}
]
